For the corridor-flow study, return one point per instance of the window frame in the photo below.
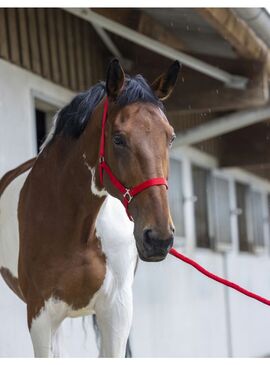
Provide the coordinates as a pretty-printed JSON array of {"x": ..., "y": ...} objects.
[
  {"x": 226, "y": 246},
  {"x": 208, "y": 206},
  {"x": 45, "y": 98},
  {"x": 257, "y": 247},
  {"x": 180, "y": 241},
  {"x": 189, "y": 156},
  {"x": 256, "y": 184}
]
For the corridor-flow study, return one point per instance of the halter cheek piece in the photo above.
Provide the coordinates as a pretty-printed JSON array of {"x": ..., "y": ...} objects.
[{"x": 127, "y": 194}]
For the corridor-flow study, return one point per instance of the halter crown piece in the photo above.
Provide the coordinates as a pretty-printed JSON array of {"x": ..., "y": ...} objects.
[{"x": 127, "y": 193}]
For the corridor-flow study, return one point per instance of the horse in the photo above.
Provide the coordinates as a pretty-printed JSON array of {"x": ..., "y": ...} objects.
[{"x": 68, "y": 245}]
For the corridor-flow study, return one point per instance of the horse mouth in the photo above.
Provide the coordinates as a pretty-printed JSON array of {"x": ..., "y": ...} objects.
[{"x": 153, "y": 258}]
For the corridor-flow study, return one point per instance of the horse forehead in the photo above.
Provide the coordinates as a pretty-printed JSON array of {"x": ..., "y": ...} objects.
[{"x": 144, "y": 115}]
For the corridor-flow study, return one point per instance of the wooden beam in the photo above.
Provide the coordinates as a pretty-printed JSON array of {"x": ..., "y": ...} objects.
[
  {"x": 145, "y": 24},
  {"x": 13, "y": 35},
  {"x": 43, "y": 43},
  {"x": 24, "y": 42},
  {"x": 150, "y": 27},
  {"x": 125, "y": 16},
  {"x": 198, "y": 93},
  {"x": 4, "y": 51},
  {"x": 222, "y": 125},
  {"x": 261, "y": 170},
  {"x": 231, "y": 80},
  {"x": 246, "y": 147},
  {"x": 236, "y": 31},
  {"x": 195, "y": 92},
  {"x": 60, "y": 31},
  {"x": 33, "y": 41}
]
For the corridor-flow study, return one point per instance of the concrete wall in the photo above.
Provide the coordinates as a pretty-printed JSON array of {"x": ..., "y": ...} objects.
[{"x": 177, "y": 311}]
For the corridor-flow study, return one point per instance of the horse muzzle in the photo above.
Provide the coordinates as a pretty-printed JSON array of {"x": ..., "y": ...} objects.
[{"x": 154, "y": 247}]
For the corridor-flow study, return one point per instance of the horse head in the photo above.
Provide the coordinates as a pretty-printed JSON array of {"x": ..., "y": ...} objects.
[{"x": 137, "y": 141}]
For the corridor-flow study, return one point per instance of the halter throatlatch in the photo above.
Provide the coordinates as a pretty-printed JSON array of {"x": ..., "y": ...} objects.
[{"x": 127, "y": 193}]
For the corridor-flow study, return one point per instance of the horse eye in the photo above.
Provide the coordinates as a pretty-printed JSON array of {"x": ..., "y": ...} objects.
[
  {"x": 172, "y": 139},
  {"x": 119, "y": 140}
]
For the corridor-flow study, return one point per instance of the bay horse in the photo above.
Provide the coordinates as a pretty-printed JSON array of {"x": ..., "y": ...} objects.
[{"x": 67, "y": 246}]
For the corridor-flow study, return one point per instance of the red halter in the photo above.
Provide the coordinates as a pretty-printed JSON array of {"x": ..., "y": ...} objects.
[{"x": 127, "y": 193}]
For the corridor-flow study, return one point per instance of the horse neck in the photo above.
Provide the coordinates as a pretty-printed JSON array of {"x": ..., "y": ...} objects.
[{"x": 75, "y": 174}]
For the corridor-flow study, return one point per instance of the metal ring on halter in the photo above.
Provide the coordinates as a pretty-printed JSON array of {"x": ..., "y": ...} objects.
[
  {"x": 101, "y": 159},
  {"x": 127, "y": 196}
]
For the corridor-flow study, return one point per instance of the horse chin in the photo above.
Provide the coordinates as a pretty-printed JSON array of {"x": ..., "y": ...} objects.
[{"x": 152, "y": 258}]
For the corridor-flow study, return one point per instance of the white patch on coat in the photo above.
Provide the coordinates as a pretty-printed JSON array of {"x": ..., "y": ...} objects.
[
  {"x": 44, "y": 326},
  {"x": 115, "y": 231},
  {"x": 9, "y": 227},
  {"x": 114, "y": 302},
  {"x": 94, "y": 188}
]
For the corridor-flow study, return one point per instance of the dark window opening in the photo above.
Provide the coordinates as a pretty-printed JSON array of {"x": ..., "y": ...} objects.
[
  {"x": 44, "y": 113},
  {"x": 40, "y": 128},
  {"x": 203, "y": 220}
]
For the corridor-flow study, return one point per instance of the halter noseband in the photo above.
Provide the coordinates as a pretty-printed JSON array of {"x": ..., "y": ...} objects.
[{"x": 127, "y": 194}]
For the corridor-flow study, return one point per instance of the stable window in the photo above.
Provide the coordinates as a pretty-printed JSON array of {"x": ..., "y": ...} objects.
[
  {"x": 222, "y": 211},
  {"x": 202, "y": 188},
  {"x": 268, "y": 217},
  {"x": 250, "y": 218},
  {"x": 44, "y": 113},
  {"x": 243, "y": 199},
  {"x": 176, "y": 198},
  {"x": 258, "y": 219}
]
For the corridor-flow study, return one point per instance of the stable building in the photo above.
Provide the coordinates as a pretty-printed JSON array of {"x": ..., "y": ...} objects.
[{"x": 220, "y": 163}]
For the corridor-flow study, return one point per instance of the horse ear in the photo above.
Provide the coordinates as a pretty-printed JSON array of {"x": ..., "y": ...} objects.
[
  {"x": 115, "y": 79},
  {"x": 164, "y": 84}
]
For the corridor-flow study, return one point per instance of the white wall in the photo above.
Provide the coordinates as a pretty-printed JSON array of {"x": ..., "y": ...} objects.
[
  {"x": 17, "y": 128},
  {"x": 177, "y": 311}
]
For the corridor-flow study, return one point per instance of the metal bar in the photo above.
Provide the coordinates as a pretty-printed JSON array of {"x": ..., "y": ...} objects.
[
  {"x": 234, "y": 81},
  {"x": 222, "y": 125}
]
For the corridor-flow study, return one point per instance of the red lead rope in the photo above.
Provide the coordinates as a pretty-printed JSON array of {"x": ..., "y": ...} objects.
[{"x": 217, "y": 278}]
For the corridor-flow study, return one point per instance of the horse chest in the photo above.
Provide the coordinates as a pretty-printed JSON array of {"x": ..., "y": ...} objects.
[{"x": 82, "y": 277}]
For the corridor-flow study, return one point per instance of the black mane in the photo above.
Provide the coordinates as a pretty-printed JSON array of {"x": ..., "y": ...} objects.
[{"x": 73, "y": 118}]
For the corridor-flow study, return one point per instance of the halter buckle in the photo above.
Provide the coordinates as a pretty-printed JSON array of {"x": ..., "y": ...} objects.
[
  {"x": 128, "y": 196},
  {"x": 101, "y": 159}
]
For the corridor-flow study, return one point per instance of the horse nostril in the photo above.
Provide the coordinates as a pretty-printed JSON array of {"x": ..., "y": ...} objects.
[
  {"x": 152, "y": 239},
  {"x": 148, "y": 236}
]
